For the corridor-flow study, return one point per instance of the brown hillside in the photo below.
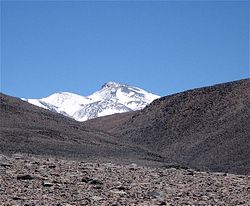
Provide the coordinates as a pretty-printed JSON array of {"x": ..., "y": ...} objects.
[
  {"x": 206, "y": 128},
  {"x": 25, "y": 128}
]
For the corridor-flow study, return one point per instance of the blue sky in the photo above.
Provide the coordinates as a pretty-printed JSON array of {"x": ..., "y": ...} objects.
[{"x": 164, "y": 47}]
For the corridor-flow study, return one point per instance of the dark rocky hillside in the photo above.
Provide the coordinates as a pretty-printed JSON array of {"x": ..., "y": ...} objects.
[
  {"x": 25, "y": 128},
  {"x": 206, "y": 128}
]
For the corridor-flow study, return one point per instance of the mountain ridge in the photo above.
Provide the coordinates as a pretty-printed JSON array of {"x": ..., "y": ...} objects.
[{"x": 112, "y": 98}]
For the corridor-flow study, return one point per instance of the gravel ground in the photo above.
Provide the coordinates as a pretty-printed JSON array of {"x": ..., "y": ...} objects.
[{"x": 35, "y": 181}]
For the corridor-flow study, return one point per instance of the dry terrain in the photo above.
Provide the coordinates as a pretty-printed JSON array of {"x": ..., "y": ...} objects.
[
  {"x": 191, "y": 148},
  {"x": 33, "y": 181},
  {"x": 206, "y": 128},
  {"x": 26, "y": 128}
]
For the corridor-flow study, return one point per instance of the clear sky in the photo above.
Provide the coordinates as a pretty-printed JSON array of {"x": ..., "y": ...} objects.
[{"x": 163, "y": 46}]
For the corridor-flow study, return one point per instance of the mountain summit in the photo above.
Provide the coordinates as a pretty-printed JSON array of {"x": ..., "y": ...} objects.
[{"x": 110, "y": 99}]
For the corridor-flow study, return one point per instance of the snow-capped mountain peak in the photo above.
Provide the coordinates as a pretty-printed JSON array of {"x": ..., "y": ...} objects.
[
  {"x": 111, "y": 84},
  {"x": 111, "y": 98}
]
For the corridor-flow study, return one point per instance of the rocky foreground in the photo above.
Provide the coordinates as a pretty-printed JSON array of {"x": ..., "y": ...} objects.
[{"x": 27, "y": 181}]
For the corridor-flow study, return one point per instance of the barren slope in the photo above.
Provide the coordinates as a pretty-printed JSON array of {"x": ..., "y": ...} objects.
[
  {"x": 26, "y": 128},
  {"x": 206, "y": 128}
]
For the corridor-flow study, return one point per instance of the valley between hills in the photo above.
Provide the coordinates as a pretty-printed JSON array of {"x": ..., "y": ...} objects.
[{"x": 190, "y": 148}]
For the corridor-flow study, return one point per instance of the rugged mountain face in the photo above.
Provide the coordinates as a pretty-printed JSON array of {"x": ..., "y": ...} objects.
[
  {"x": 206, "y": 128},
  {"x": 111, "y": 98},
  {"x": 25, "y": 128}
]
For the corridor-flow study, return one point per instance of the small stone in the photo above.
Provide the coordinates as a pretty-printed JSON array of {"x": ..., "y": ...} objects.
[
  {"x": 47, "y": 184},
  {"x": 86, "y": 179},
  {"x": 25, "y": 177},
  {"x": 154, "y": 194},
  {"x": 95, "y": 182},
  {"x": 162, "y": 203},
  {"x": 5, "y": 165},
  {"x": 190, "y": 172},
  {"x": 118, "y": 192},
  {"x": 159, "y": 195},
  {"x": 91, "y": 181},
  {"x": 17, "y": 156},
  {"x": 17, "y": 198},
  {"x": 98, "y": 187},
  {"x": 121, "y": 188},
  {"x": 133, "y": 166}
]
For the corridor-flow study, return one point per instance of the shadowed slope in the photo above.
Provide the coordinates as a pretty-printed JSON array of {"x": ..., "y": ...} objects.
[
  {"x": 110, "y": 122},
  {"x": 206, "y": 128}
]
